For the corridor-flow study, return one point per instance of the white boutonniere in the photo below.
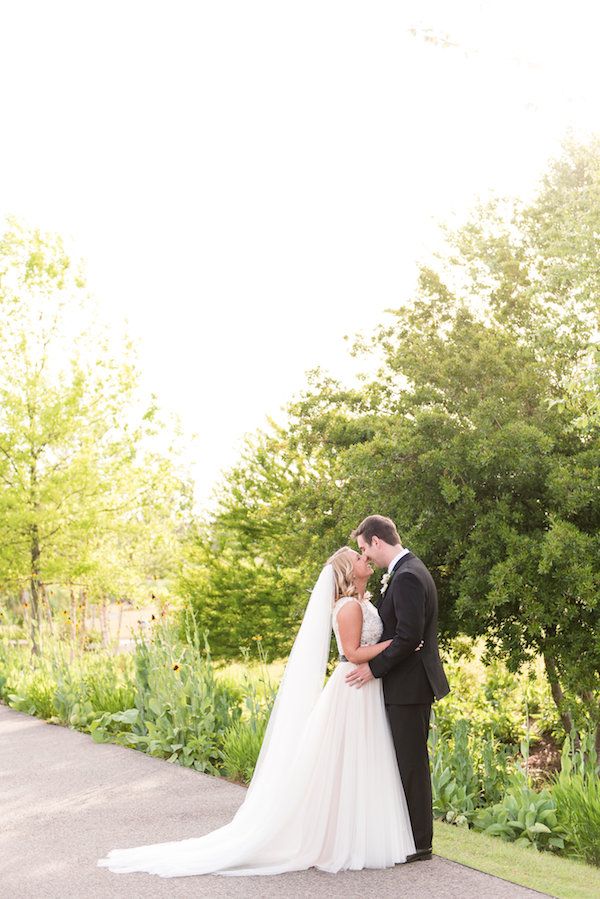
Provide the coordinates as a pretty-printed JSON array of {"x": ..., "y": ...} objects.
[{"x": 385, "y": 581}]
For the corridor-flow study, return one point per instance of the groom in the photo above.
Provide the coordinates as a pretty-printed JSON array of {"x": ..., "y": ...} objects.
[{"x": 411, "y": 680}]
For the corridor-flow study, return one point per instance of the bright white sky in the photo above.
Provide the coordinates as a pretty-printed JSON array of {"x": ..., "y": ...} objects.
[{"x": 250, "y": 181}]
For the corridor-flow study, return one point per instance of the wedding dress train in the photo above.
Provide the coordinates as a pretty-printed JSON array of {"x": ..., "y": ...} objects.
[{"x": 326, "y": 791}]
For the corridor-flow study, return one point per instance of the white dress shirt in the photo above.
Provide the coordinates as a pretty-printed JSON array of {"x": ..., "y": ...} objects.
[{"x": 397, "y": 558}]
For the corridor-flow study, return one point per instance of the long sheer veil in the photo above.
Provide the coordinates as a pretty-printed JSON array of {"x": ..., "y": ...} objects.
[
  {"x": 274, "y": 791},
  {"x": 298, "y": 692}
]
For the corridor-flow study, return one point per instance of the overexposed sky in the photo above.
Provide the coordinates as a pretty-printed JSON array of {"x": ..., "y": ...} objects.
[{"x": 250, "y": 181}]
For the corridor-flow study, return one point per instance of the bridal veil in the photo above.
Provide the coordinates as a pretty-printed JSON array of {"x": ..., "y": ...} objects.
[{"x": 272, "y": 793}]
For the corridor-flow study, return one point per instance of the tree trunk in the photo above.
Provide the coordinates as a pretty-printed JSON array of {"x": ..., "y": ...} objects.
[
  {"x": 104, "y": 622},
  {"x": 117, "y": 643},
  {"x": 35, "y": 553},
  {"x": 46, "y": 607},
  {"x": 83, "y": 605},
  {"x": 73, "y": 624},
  {"x": 557, "y": 694},
  {"x": 34, "y": 590},
  {"x": 26, "y": 603}
]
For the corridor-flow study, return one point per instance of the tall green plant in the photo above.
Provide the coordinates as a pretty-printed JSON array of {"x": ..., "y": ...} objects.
[
  {"x": 243, "y": 740},
  {"x": 181, "y": 711},
  {"x": 577, "y": 794},
  {"x": 455, "y": 787}
]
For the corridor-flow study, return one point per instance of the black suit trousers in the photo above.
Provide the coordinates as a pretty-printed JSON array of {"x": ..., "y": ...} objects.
[{"x": 410, "y": 729}]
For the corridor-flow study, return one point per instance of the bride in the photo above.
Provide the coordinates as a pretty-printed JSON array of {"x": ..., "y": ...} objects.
[{"x": 326, "y": 792}]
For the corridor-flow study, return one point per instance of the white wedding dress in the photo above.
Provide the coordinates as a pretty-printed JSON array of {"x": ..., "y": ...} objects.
[{"x": 329, "y": 796}]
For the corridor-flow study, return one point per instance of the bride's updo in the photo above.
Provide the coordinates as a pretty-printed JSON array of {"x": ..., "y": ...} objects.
[{"x": 343, "y": 572}]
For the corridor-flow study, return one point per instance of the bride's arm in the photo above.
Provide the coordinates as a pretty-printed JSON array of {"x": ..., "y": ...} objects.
[{"x": 350, "y": 620}]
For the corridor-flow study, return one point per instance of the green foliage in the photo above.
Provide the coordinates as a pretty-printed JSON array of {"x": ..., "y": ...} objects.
[
  {"x": 241, "y": 746},
  {"x": 494, "y": 766},
  {"x": 455, "y": 787},
  {"x": 469, "y": 768},
  {"x": 39, "y": 699},
  {"x": 524, "y": 817},
  {"x": 261, "y": 604},
  {"x": 181, "y": 711},
  {"x": 62, "y": 691},
  {"x": 578, "y": 804},
  {"x": 577, "y": 795},
  {"x": 106, "y": 685},
  {"x": 469, "y": 437},
  {"x": 247, "y": 574},
  {"x": 494, "y": 699},
  {"x": 86, "y": 500},
  {"x": 167, "y": 699},
  {"x": 163, "y": 699},
  {"x": 243, "y": 740}
]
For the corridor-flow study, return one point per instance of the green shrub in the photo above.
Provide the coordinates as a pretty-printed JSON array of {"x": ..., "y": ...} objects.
[
  {"x": 524, "y": 817},
  {"x": 64, "y": 692},
  {"x": 72, "y": 705},
  {"x": 241, "y": 746},
  {"x": 108, "y": 682},
  {"x": 466, "y": 771},
  {"x": 577, "y": 794},
  {"x": 38, "y": 696},
  {"x": 178, "y": 709},
  {"x": 494, "y": 765},
  {"x": 578, "y": 804},
  {"x": 493, "y": 699},
  {"x": 455, "y": 788}
]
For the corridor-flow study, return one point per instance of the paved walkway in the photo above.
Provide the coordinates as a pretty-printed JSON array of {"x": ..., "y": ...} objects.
[{"x": 65, "y": 801}]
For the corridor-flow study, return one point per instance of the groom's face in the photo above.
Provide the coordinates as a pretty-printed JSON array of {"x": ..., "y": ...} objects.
[{"x": 373, "y": 551}]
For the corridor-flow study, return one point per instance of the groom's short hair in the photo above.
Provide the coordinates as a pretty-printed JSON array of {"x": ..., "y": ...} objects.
[{"x": 377, "y": 526}]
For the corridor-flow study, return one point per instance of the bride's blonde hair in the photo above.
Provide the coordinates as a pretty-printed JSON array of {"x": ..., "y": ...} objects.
[{"x": 343, "y": 574}]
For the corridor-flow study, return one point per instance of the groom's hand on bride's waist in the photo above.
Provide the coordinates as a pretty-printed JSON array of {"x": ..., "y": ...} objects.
[{"x": 359, "y": 676}]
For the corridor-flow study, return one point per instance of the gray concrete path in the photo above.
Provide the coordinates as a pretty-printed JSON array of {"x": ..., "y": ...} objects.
[{"x": 65, "y": 801}]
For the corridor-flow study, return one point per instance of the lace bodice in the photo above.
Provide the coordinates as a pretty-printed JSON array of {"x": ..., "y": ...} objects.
[{"x": 372, "y": 625}]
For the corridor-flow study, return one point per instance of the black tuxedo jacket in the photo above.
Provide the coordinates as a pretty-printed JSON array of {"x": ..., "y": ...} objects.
[{"x": 409, "y": 611}]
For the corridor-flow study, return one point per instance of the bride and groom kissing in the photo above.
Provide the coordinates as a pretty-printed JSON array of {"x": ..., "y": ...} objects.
[{"x": 342, "y": 780}]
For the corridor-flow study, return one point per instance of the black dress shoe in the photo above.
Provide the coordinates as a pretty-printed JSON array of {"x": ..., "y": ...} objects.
[{"x": 422, "y": 855}]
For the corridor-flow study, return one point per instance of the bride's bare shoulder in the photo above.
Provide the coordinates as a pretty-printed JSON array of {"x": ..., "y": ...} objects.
[{"x": 348, "y": 602}]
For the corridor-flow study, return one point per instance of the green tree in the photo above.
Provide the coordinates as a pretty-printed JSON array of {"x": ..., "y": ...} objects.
[
  {"x": 79, "y": 481},
  {"x": 477, "y": 436},
  {"x": 246, "y": 571}
]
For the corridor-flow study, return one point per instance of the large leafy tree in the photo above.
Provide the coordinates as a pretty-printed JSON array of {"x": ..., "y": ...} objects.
[
  {"x": 246, "y": 572},
  {"x": 479, "y": 436},
  {"x": 80, "y": 485}
]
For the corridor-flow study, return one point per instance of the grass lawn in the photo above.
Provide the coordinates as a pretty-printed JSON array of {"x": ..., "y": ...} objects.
[
  {"x": 254, "y": 672},
  {"x": 543, "y": 871}
]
